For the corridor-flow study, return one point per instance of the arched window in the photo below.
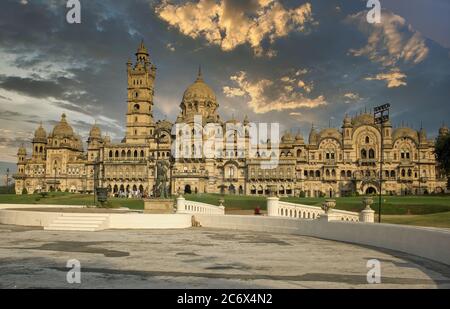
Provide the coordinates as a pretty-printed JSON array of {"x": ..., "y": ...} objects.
[
  {"x": 363, "y": 154},
  {"x": 110, "y": 154},
  {"x": 367, "y": 140},
  {"x": 409, "y": 173},
  {"x": 117, "y": 154},
  {"x": 342, "y": 174},
  {"x": 371, "y": 154},
  {"x": 123, "y": 154},
  {"x": 317, "y": 174},
  {"x": 299, "y": 153},
  {"x": 142, "y": 153},
  {"x": 392, "y": 174},
  {"x": 129, "y": 153},
  {"x": 135, "y": 153},
  {"x": 349, "y": 174},
  {"x": 403, "y": 173}
]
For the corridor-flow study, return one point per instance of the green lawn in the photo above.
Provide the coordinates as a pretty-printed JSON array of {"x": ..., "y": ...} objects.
[
  {"x": 441, "y": 220},
  {"x": 60, "y": 198},
  {"x": 423, "y": 210},
  {"x": 392, "y": 205}
]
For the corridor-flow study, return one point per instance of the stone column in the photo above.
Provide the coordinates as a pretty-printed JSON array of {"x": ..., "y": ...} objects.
[
  {"x": 367, "y": 215},
  {"x": 272, "y": 206},
  {"x": 181, "y": 204}
]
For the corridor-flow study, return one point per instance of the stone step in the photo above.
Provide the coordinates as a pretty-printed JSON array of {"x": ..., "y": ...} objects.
[
  {"x": 78, "y": 222},
  {"x": 82, "y": 229},
  {"x": 72, "y": 220}
]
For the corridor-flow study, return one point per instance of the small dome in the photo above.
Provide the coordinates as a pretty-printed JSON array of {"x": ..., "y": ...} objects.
[
  {"x": 22, "y": 151},
  {"x": 40, "y": 133},
  {"x": 142, "y": 49},
  {"x": 63, "y": 129},
  {"x": 331, "y": 133},
  {"x": 363, "y": 119},
  {"x": 95, "y": 132},
  {"x": 405, "y": 132},
  {"x": 287, "y": 138},
  {"x": 199, "y": 90},
  {"x": 246, "y": 121},
  {"x": 347, "y": 121},
  {"x": 313, "y": 136},
  {"x": 443, "y": 130},
  {"x": 164, "y": 125},
  {"x": 299, "y": 138}
]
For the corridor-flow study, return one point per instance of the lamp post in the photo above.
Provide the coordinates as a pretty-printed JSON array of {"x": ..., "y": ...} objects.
[
  {"x": 7, "y": 179},
  {"x": 381, "y": 116},
  {"x": 54, "y": 178}
]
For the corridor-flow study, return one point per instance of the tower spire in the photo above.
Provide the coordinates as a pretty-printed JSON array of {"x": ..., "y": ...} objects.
[{"x": 199, "y": 75}]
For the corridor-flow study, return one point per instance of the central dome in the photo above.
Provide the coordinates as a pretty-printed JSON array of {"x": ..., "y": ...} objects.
[
  {"x": 199, "y": 90},
  {"x": 63, "y": 128}
]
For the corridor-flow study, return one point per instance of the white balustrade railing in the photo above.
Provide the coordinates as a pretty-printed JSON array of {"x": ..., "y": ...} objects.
[
  {"x": 191, "y": 207},
  {"x": 277, "y": 208}
]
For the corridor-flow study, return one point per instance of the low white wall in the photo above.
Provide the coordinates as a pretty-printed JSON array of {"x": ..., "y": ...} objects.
[
  {"x": 149, "y": 221},
  {"x": 114, "y": 221},
  {"x": 429, "y": 243},
  {"x": 27, "y": 218},
  {"x": 27, "y": 206}
]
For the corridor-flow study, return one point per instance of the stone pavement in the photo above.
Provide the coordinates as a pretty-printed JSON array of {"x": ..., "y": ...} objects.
[{"x": 201, "y": 258}]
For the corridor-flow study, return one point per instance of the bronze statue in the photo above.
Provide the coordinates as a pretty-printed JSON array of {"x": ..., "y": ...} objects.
[{"x": 162, "y": 167}]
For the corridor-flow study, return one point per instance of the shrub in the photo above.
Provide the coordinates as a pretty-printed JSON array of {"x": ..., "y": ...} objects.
[{"x": 24, "y": 191}]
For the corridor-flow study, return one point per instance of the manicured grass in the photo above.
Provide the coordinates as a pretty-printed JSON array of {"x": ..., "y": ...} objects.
[
  {"x": 60, "y": 198},
  {"x": 433, "y": 211},
  {"x": 440, "y": 220},
  {"x": 392, "y": 205}
]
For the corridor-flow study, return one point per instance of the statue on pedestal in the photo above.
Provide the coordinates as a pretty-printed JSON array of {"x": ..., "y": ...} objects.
[{"x": 162, "y": 168}]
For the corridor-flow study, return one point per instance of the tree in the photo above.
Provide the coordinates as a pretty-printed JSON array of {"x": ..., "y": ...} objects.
[
  {"x": 442, "y": 152},
  {"x": 24, "y": 191}
]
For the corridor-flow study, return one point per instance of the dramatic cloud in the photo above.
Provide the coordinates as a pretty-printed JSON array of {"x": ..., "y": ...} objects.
[
  {"x": 229, "y": 24},
  {"x": 351, "y": 97},
  {"x": 393, "y": 79},
  {"x": 390, "y": 41},
  {"x": 265, "y": 96}
]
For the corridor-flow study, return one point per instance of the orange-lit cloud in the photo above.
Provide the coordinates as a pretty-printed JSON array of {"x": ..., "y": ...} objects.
[{"x": 228, "y": 26}]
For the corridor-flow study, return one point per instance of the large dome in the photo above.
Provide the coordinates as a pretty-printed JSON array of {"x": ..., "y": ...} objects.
[
  {"x": 63, "y": 129},
  {"x": 199, "y": 90}
]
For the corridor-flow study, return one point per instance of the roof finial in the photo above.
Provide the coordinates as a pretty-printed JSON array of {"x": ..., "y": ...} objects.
[{"x": 199, "y": 76}]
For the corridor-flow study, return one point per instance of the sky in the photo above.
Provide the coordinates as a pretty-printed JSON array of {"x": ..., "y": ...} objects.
[{"x": 296, "y": 63}]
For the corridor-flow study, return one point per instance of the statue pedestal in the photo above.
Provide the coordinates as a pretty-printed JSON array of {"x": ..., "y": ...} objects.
[{"x": 159, "y": 206}]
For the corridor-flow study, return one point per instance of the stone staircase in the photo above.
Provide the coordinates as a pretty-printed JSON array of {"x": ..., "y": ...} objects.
[{"x": 79, "y": 222}]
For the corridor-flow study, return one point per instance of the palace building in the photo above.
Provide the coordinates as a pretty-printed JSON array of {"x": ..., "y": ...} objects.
[{"x": 332, "y": 162}]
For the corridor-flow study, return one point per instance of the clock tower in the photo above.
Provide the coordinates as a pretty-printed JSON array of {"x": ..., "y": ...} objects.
[{"x": 141, "y": 79}]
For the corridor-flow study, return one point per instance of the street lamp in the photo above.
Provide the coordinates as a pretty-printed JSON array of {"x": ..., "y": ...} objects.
[{"x": 381, "y": 116}]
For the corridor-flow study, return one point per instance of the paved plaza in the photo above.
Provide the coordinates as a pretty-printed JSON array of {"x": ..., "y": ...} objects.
[{"x": 201, "y": 258}]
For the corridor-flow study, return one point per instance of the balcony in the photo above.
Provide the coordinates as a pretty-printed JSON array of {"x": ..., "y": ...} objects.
[
  {"x": 367, "y": 162},
  {"x": 190, "y": 174}
]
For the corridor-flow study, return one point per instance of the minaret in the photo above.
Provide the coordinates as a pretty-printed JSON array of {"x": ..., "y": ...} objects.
[
  {"x": 39, "y": 143},
  {"x": 141, "y": 78}
]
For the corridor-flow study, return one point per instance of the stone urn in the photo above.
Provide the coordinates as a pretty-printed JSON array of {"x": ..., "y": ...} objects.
[
  {"x": 367, "y": 202},
  {"x": 328, "y": 205},
  {"x": 221, "y": 202}
]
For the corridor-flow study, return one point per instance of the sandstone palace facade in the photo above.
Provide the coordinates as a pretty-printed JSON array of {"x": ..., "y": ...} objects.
[{"x": 332, "y": 161}]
